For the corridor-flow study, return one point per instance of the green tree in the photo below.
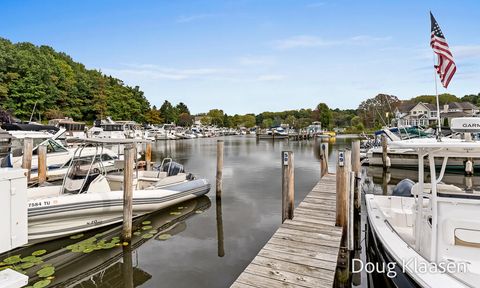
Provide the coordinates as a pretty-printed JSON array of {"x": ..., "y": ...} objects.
[
  {"x": 216, "y": 116},
  {"x": 182, "y": 108},
  {"x": 324, "y": 114},
  {"x": 185, "y": 119},
  {"x": 267, "y": 123},
  {"x": 168, "y": 112}
]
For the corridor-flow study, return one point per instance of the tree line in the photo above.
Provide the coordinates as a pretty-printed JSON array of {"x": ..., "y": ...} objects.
[{"x": 51, "y": 83}]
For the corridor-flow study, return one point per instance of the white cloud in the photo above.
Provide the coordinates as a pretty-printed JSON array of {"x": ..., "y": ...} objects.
[
  {"x": 466, "y": 51},
  {"x": 305, "y": 41},
  {"x": 156, "y": 72},
  {"x": 191, "y": 18},
  {"x": 270, "y": 77}
]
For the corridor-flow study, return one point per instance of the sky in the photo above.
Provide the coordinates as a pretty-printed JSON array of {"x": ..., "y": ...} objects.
[{"x": 250, "y": 56}]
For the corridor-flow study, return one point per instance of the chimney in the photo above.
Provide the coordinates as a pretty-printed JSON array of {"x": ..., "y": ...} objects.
[{"x": 445, "y": 108}]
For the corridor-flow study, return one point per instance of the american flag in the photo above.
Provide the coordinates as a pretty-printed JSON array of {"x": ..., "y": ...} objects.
[{"x": 446, "y": 65}]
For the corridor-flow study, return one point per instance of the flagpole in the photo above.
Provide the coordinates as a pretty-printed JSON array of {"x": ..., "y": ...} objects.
[{"x": 439, "y": 125}]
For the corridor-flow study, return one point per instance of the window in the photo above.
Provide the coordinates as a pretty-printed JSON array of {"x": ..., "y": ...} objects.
[{"x": 414, "y": 112}]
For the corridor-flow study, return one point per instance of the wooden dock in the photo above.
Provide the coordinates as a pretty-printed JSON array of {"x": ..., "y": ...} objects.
[{"x": 303, "y": 252}]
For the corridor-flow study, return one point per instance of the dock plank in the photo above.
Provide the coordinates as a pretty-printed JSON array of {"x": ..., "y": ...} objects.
[{"x": 303, "y": 251}]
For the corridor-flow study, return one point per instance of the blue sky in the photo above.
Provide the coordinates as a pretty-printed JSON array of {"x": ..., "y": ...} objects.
[{"x": 257, "y": 55}]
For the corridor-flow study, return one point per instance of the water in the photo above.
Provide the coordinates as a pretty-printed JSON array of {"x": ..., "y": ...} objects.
[{"x": 199, "y": 243}]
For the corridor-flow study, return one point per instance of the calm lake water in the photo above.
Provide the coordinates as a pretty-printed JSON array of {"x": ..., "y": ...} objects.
[{"x": 201, "y": 243}]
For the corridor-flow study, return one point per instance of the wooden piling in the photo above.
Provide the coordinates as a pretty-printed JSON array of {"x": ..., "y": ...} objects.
[
  {"x": 27, "y": 156},
  {"x": 129, "y": 157},
  {"x": 384, "y": 151},
  {"x": 288, "y": 185},
  {"x": 42, "y": 164},
  {"x": 356, "y": 166},
  {"x": 148, "y": 156},
  {"x": 357, "y": 169},
  {"x": 219, "y": 183},
  {"x": 342, "y": 188},
  {"x": 350, "y": 223},
  {"x": 323, "y": 159}
]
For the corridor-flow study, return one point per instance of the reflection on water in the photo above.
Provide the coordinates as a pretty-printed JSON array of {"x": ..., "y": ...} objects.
[
  {"x": 98, "y": 258},
  {"x": 193, "y": 246}
]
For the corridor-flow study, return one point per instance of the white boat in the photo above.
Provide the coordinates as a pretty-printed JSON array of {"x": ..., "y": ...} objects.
[
  {"x": 89, "y": 198},
  {"x": 400, "y": 157},
  {"x": 433, "y": 238},
  {"x": 73, "y": 130}
]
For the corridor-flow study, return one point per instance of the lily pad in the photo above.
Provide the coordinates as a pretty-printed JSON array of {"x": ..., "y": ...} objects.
[
  {"x": 108, "y": 245},
  {"x": 39, "y": 252},
  {"x": 175, "y": 213},
  {"x": 115, "y": 240},
  {"x": 180, "y": 208},
  {"x": 31, "y": 259},
  {"x": 147, "y": 227},
  {"x": 147, "y": 235},
  {"x": 153, "y": 231},
  {"x": 88, "y": 250},
  {"x": 42, "y": 283},
  {"x": 146, "y": 222},
  {"x": 12, "y": 259},
  {"x": 164, "y": 237},
  {"x": 27, "y": 265},
  {"x": 137, "y": 233},
  {"x": 46, "y": 272},
  {"x": 78, "y": 236}
]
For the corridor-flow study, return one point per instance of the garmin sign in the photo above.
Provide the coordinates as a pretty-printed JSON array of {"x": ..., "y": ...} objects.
[{"x": 466, "y": 124}]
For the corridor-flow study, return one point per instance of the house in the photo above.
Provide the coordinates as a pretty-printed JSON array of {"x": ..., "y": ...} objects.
[
  {"x": 415, "y": 114},
  {"x": 456, "y": 110},
  {"x": 425, "y": 114}
]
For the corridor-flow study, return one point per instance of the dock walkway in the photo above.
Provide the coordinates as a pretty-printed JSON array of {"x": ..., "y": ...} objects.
[{"x": 303, "y": 252}]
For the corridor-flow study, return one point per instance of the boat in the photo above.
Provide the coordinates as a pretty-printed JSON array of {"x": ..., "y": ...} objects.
[
  {"x": 431, "y": 236},
  {"x": 406, "y": 157},
  {"x": 73, "y": 130},
  {"x": 90, "y": 198}
]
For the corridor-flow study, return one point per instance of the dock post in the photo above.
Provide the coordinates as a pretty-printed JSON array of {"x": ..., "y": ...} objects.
[
  {"x": 129, "y": 156},
  {"x": 323, "y": 159},
  {"x": 385, "y": 160},
  {"x": 356, "y": 168},
  {"x": 288, "y": 185},
  {"x": 350, "y": 223},
  {"x": 219, "y": 177},
  {"x": 42, "y": 164},
  {"x": 342, "y": 187},
  {"x": 27, "y": 156},
  {"x": 148, "y": 156}
]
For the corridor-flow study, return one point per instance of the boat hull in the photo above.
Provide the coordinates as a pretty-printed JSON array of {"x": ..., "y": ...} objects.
[{"x": 55, "y": 217}]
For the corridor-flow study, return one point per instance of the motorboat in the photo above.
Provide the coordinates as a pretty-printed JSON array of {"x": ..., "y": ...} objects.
[
  {"x": 73, "y": 130},
  {"x": 90, "y": 198},
  {"x": 400, "y": 157},
  {"x": 58, "y": 156},
  {"x": 430, "y": 237}
]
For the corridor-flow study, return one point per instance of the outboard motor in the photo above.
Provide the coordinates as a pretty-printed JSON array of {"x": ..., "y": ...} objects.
[
  {"x": 173, "y": 168},
  {"x": 403, "y": 188}
]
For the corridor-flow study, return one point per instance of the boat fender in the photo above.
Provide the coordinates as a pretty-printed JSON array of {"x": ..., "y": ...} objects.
[
  {"x": 403, "y": 188},
  {"x": 388, "y": 162}
]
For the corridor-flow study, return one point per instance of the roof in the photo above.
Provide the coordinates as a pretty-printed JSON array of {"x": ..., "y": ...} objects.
[
  {"x": 462, "y": 105},
  {"x": 430, "y": 106},
  {"x": 454, "y": 114},
  {"x": 406, "y": 106}
]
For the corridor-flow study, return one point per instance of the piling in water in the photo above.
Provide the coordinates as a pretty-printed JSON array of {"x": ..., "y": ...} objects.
[
  {"x": 129, "y": 156},
  {"x": 219, "y": 168},
  {"x": 288, "y": 185}
]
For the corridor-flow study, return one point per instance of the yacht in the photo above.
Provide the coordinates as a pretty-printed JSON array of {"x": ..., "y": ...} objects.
[
  {"x": 90, "y": 198},
  {"x": 431, "y": 236},
  {"x": 73, "y": 130}
]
